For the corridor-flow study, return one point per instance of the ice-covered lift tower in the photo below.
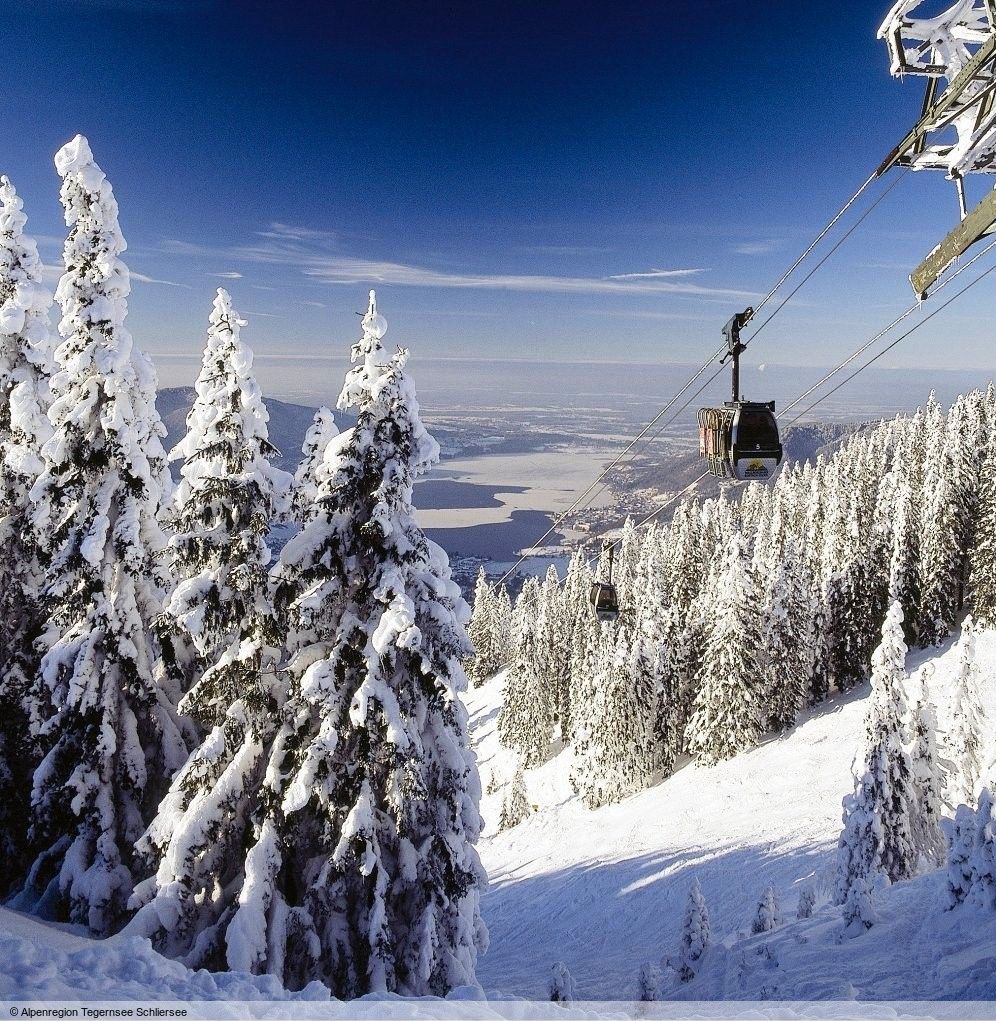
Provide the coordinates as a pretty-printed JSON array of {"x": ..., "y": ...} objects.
[{"x": 956, "y": 132}]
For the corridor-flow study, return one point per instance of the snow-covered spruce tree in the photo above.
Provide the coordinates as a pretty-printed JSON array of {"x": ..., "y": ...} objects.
[
  {"x": 695, "y": 936},
  {"x": 562, "y": 988},
  {"x": 516, "y": 805},
  {"x": 228, "y": 496},
  {"x": 364, "y": 873},
  {"x": 807, "y": 901},
  {"x": 928, "y": 776},
  {"x": 553, "y": 650},
  {"x": 306, "y": 483},
  {"x": 768, "y": 913},
  {"x": 227, "y": 499},
  {"x": 26, "y": 367},
  {"x": 112, "y": 737},
  {"x": 878, "y": 838},
  {"x": 727, "y": 717},
  {"x": 618, "y": 751},
  {"x": 960, "y": 835},
  {"x": 525, "y": 722},
  {"x": 649, "y": 982},
  {"x": 983, "y": 556},
  {"x": 488, "y": 654},
  {"x": 983, "y": 890},
  {"x": 965, "y": 737},
  {"x": 940, "y": 552}
]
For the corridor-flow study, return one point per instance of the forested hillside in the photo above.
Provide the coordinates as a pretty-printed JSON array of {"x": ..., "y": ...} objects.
[{"x": 737, "y": 615}]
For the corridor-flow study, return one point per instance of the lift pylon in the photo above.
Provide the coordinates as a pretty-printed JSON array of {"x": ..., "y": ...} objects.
[{"x": 956, "y": 131}]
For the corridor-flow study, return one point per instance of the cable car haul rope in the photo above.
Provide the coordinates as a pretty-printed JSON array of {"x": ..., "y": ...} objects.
[{"x": 740, "y": 441}]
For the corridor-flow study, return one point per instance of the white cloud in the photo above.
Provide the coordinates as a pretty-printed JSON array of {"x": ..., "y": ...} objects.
[
  {"x": 345, "y": 270},
  {"x": 656, "y": 274},
  {"x": 143, "y": 279},
  {"x": 757, "y": 247},
  {"x": 314, "y": 304},
  {"x": 230, "y": 274},
  {"x": 355, "y": 271}
]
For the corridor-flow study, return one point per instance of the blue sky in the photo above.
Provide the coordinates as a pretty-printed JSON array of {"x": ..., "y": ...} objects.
[{"x": 555, "y": 180}]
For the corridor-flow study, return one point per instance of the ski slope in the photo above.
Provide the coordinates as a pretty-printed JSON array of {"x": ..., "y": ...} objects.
[{"x": 605, "y": 890}]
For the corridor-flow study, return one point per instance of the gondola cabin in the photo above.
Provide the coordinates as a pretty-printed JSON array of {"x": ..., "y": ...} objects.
[
  {"x": 740, "y": 440},
  {"x": 605, "y": 600}
]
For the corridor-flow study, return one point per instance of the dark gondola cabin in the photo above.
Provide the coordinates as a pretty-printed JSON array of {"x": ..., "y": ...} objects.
[
  {"x": 740, "y": 440},
  {"x": 605, "y": 601}
]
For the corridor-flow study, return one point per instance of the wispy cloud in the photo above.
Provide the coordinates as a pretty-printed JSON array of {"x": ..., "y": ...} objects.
[
  {"x": 314, "y": 304},
  {"x": 230, "y": 274},
  {"x": 143, "y": 279},
  {"x": 566, "y": 249},
  {"x": 287, "y": 232},
  {"x": 355, "y": 271},
  {"x": 344, "y": 270},
  {"x": 656, "y": 274},
  {"x": 757, "y": 247}
]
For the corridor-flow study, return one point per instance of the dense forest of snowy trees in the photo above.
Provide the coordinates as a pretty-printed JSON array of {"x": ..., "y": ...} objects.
[
  {"x": 737, "y": 615},
  {"x": 262, "y": 767}
]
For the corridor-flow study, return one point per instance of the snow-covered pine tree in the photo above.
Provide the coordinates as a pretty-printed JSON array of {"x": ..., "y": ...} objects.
[
  {"x": 878, "y": 834},
  {"x": 983, "y": 891},
  {"x": 807, "y": 901},
  {"x": 525, "y": 722},
  {"x": 727, "y": 715},
  {"x": 364, "y": 873},
  {"x": 516, "y": 805},
  {"x": 960, "y": 835},
  {"x": 563, "y": 988},
  {"x": 619, "y": 751},
  {"x": 487, "y": 656},
  {"x": 649, "y": 982},
  {"x": 553, "y": 652},
  {"x": 113, "y": 739},
  {"x": 228, "y": 496},
  {"x": 983, "y": 555},
  {"x": 929, "y": 780},
  {"x": 26, "y": 367},
  {"x": 227, "y": 499},
  {"x": 768, "y": 913},
  {"x": 965, "y": 737},
  {"x": 695, "y": 935},
  {"x": 304, "y": 492}
]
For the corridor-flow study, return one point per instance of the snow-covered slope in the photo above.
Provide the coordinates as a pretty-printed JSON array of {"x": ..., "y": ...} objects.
[{"x": 605, "y": 891}]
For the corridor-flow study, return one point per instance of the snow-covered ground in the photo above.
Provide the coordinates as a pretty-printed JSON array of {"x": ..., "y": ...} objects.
[{"x": 605, "y": 891}]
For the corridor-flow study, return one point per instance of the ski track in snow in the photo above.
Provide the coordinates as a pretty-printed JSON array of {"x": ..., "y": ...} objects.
[{"x": 605, "y": 890}]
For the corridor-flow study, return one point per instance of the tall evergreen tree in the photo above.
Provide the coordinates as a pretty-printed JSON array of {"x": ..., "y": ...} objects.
[
  {"x": 525, "y": 722},
  {"x": 488, "y": 653},
  {"x": 928, "y": 776},
  {"x": 26, "y": 366},
  {"x": 364, "y": 873},
  {"x": 112, "y": 736},
  {"x": 878, "y": 838},
  {"x": 618, "y": 751},
  {"x": 304, "y": 492},
  {"x": 695, "y": 933},
  {"x": 225, "y": 504},
  {"x": 965, "y": 739},
  {"x": 727, "y": 716}
]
